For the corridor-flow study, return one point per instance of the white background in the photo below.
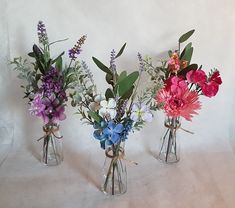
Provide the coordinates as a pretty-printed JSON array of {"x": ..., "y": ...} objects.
[{"x": 150, "y": 27}]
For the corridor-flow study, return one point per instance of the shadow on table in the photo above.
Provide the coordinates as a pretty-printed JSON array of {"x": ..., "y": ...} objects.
[{"x": 84, "y": 165}]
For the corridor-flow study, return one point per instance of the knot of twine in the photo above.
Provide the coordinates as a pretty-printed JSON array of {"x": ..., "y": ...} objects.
[
  {"x": 120, "y": 155},
  {"x": 176, "y": 127},
  {"x": 49, "y": 131}
]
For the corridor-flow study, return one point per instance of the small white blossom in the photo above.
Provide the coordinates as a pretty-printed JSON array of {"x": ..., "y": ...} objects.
[{"x": 108, "y": 108}]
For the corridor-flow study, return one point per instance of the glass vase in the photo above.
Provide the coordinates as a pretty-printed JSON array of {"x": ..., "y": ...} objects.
[
  {"x": 6, "y": 139},
  {"x": 169, "y": 150},
  {"x": 52, "y": 153},
  {"x": 114, "y": 171}
]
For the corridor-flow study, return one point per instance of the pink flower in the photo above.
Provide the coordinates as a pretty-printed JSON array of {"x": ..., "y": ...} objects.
[
  {"x": 37, "y": 106},
  {"x": 196, "y": 77},
  {"x": 210, "y": 89},
  {"x": 174, "y": 63},
  {"x": 178, "y": 100},
  {"x": 175, "y": 83},
  {"x": 215, "y": 77}
]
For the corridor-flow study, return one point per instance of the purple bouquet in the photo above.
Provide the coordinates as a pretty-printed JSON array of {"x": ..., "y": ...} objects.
[{"x": 48, "y": 83}]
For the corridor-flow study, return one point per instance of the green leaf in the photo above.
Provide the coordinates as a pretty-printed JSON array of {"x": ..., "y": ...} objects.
[
  {"x": 95, "y": 116},
  {"x": 58, "y": 57},
  {"x": 128, "y": 94},
  {"x": 186, "y": 36},
  {"x": 188, "y": 55},
  {"x": 187, "y": 47},
  {"x": 184, "y": 71},
  {"x": 109, "y": 78},
  {"x": 39, "y": 58},
  {"x": 58, "y": 63},
  {"x": 121, "y": 51},
  {"x": 101, "y": 66},
  {"x": 122, "y": 76},
  {"x": 109, "y": 94},
  {"x": 31, "y": 54},
  {"x": 124, "y": 85}
]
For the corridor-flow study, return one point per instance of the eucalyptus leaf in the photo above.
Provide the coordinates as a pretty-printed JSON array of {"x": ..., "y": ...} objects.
[
  {"x": 95, "y": 116},
  {"x": 121, "y": 51},
  {"x": 128, "y": 94},
  {"x": 101, "y": 66},
  {"x": 186, "y": 36},
  {"x": 122, "y": 76},
  {"x": 124, "y": 85}
]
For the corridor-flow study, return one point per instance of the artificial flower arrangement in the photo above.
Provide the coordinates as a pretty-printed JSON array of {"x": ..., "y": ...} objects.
[
  {"x": 114, "y": 115},
  {"x": 183, "y": 84},
  {"x": 47, "y": 84}
]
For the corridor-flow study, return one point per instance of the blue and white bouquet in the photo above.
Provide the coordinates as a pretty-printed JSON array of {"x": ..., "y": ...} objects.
[{"x": 116, "y": 113}]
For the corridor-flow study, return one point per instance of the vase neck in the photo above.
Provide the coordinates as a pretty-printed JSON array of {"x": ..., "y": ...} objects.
[{"x": 172, "y": 122}]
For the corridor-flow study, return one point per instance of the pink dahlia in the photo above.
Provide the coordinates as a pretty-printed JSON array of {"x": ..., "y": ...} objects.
[{"x": 179, "y": 101}]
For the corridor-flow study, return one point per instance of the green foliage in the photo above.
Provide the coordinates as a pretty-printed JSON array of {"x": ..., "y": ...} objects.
[
  {"x": 187, "y": 53},
  {"x": 109, "y": 94},
  {"x": 95, "y": 116},
  {"x": 101, "y": 66},
  {"x": 25, "y": 73},
  {"x": 120, "y": 51},
  {"x": 186, "y": 36},
  {"x": 125, "y": 84},
  {"x": 122, "y": 76}
]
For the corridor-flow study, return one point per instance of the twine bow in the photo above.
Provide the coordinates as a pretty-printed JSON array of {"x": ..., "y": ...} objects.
[
  {"x": 178, "y": 126},
  {"x": 121, "y": 155},
  {"x": 49, "y": 131}
]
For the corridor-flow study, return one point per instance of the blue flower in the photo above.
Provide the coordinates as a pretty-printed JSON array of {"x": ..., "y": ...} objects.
[
  {"x": 127, "y": 128},
  {"x": 113, "y": 132}
]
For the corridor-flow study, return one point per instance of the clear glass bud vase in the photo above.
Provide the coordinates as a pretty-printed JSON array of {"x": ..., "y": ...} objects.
[
  {"x": 114, "y": 171},
  {"x": 169, "y": 150},
  {"x": 52, "y": 145}
]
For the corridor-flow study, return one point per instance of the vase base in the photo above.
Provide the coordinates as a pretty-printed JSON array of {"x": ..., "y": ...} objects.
[
  {"x": 116, "y": 193},
  {"x": 53, "y": 160},
  {"x": 167, "y": 159}
]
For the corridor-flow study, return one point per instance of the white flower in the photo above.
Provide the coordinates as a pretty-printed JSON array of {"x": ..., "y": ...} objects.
[
  {"x": 108, "y": 108},
  {"x": 141, "y": 112},
  {"x": 94, "y": 106}
]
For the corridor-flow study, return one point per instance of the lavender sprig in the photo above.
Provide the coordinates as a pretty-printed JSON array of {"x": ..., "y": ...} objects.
[
  {"x": 112, "y": 61},
  {"x": 141, "y": 62},
  {"x": 42, "y": 33},
  {"x": 76, "y": 50}
]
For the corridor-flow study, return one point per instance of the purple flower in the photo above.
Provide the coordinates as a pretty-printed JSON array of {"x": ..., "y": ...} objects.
[
  {"x": 37, "y": 106},
  {"x": 76, "y": 50},
  {"x": 42, "y": 33},
  {"x": 52, "y": 83},
  {"x": 141, "y": 62},
  {"x": 112, "y": 61}
]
